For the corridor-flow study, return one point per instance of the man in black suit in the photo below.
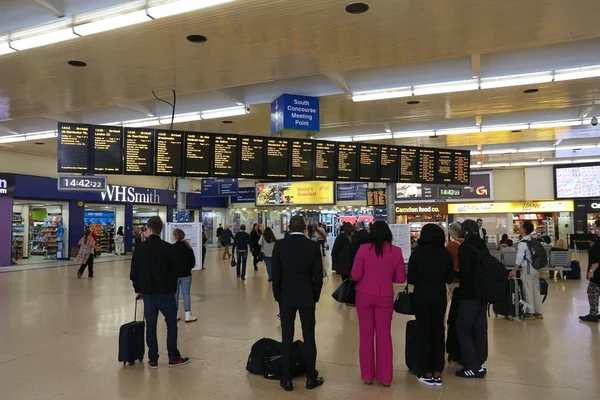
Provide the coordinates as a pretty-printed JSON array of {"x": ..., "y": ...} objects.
[
  {"x": 360, "y": 237},
  {"x": 297, "y": 282},
  {"x": 482, "y": 231}
]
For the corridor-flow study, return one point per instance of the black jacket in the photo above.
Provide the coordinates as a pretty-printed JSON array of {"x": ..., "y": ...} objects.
[
  {"x": 226, "y": 237},
  {"x": 297, "y": 271},
  {"x": 429, "y": 270},
  {"x": 154, "y": 267},
  {"x": 254, "y": 238},
  {"x": 186, "y": 260},
  {"x": 594, "y": 257},
  {"x": 342, "y": 254},
  {"x": 359, "y": 238},
  {"x": 241, "y": 241},
  {"x": 219, "y": 231},
  {"x": 467, "y": 264}
]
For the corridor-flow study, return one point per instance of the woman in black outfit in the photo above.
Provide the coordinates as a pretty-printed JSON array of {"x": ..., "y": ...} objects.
[
  {"x": 342, "y": 254},
  {"x": 430, "y": 268},
  {"x": 186, "y": 261}
]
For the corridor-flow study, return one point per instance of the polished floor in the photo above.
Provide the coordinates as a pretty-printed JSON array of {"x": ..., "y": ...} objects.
[{"x": 58, "y": 340}]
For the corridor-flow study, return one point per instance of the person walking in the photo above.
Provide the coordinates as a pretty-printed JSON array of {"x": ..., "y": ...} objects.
[
  {"x": 85, "y": 257},
  {"x": 154, "y": 277},
  {"x": 186, "y": 261},
  {"x": 120, "y": 242},
  {"x": 219, "y": 233},
  {"x": 342, "y": 253},
  {"x": 267, "y": 243},
  {"x": 430, "y": 268},
  {"x": 321, "y": 235},
  {"x": 377, "y": 266},
  {"x": 297, "y": 283},
  {"x": 254, "y": 238},
  {"x": 226, "y": 240},
  {"x": 593, "y": 276},
  {"x": 361, "y": 236},
  {"x": 204, "y": 241},
  {"x": 241, "y": 243}
]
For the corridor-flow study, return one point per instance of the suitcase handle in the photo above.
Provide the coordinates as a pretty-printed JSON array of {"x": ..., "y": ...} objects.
[{"x": 138, "y": 297}]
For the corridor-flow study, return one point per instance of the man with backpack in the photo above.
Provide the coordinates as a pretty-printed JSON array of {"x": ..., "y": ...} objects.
[{"x": 531, "y": 257}]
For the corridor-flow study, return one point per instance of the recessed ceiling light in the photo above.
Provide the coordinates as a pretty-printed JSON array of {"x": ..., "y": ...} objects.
[
  {"x": 531, "y": 90},
  {"x": 76, "y": 63},
  {"x": 197, "y": 38},
  {"x": 411, "y": 102},
  {"x": 39, "y": 143},
  {"x": 357, "y": 8},
  {"x": 227, "y": 121},
  {"x": 516, "y": 131}
]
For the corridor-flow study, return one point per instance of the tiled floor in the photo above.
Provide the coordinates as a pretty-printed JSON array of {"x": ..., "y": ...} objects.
[{"x": 58, "y": 340}]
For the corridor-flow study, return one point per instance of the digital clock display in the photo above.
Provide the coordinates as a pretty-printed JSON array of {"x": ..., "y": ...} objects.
[
  {"x": 82, "y": 183},
  {"x": 449, "y": 192}
]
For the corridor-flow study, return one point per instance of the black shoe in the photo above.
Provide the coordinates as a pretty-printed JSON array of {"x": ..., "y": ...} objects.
[
  {"x": 314, "y": 383},
  {"x": 287, "y": 386},
  {"x": 256, "y": 268},
  {"x": 469, "y": 373},
  {"x": 243, "y": 278},
  {"x": 589, "y": 318},
  {"x": 179, "y": 362},
  {"x": 153, "y": 364},
  {"x": 270, "y": 280}
]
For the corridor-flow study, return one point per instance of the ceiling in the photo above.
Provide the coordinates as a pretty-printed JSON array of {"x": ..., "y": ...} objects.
[{"x": 258, "y": 49}]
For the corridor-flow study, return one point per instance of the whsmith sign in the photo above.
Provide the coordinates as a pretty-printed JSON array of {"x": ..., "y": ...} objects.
[
  {"x": 128, "y": 194},
  {"x": 7, "y": 185}
]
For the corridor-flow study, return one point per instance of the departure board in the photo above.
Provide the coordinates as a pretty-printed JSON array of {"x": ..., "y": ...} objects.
[
  {"x": 108, "y": 149},
  {"x": 325, "y": 154},
  {"x": 389, "y": 167},
  {"x": 169, "y": 153},
  {"x": 426, "y": 165},
  {"x": 198, "y": 154},
  {"x": 74, "y": 148},
  {"x": 139, "y": 151},
  {"x": 444, "y": 167},
  {"x": 368, "y": 166},
  {"x": 462, "y": 167},
  {"x": 278, "y": 158},
  {"x": 347, "y": 162},
  {"x": 252, "y": 159},
  {"x": 303, "y": 159},
  {"x": 409, "y": 164},
  {"x": 225, "y": 156}
]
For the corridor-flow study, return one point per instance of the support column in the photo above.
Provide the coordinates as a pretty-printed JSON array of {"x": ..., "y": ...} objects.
[
  {"x": 391, "y": 198},
  {"x": 76, "y": 227},
  {"x": 128, "y": 227},
  {"x": 5, "y": 230}
]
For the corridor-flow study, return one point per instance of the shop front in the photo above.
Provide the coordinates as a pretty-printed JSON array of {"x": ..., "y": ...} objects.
[
  {"x": 552, "y": 218},
  {"x": 586, "y": 213},
  {"x": 418, "y": 215}
]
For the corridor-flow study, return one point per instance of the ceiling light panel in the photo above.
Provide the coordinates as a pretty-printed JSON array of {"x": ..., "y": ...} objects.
[
  {"x": 577, "y": 73},
  {"x": 516, "y": 80},
  {"x": 225, "y": 112},
  {"x": 507, "y": 127},
  {"x": 182, "y": 6},
  {"x": 536, "y": 149},
  {"x": 555, "y": 124},
  {"x": 413, "y": 134},
  {"x": 44, "y": 39},
  {"x": 115, "y": 22},
  {"x": 447, "y": 87},
  {"x": 376, "y": 136},
  {"x": 382, "y": 94},
  {"x": 458, "y": 131},
  {"x": 5, "y": 49}
]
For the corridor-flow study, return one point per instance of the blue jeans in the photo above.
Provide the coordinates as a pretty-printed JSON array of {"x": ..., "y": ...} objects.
[
  {"x": 166, "y": 304},
  {"x": 183, "y": 286},
  {"x": 268, "y": 264},
  {"x": 242, "y": 259}
]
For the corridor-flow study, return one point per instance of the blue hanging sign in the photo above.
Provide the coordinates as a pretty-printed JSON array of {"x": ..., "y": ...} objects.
[
  {"x": 218, "y": 187},
  {"x": 352, "y": 191},
  {"x": 295, "y": 112},
  {"x": 245, "y": 195}
]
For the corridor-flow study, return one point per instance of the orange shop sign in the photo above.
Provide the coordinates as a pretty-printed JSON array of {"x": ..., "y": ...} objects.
[{"x": 500, "y": 208}]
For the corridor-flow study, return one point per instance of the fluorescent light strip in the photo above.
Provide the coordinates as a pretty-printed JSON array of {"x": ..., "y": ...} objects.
[
  {"x": 575, "y": 147},
  {"x": 43, "y": 39},
  {"x": 225, "y": 112},
  {"x": 555, "y": 124},
  {"x": 382, "y": 94},
  {"x": 458, "y": 131},
  {"x": 554, "y": 162},
  {"x": 5, "y": 49},
  {"x": 524, "y": 164},
  {"x": 536, "y": 149},
  {"x": 375, "y": 136},
  {"x": 182, "y": 6},
  {"x": 338, "y": 138},
  {"x": 516, "y": 80},
  {"x": 507, "y": 127},
  {"x": 28, "y": 136},
  {"x": 107, "y": 24},
  {"x": 413, "y": 134},
  {"x": 446, "y": 87},
  {"x": 498, "y": 151},
  {"x": 577, "y": 73},
  {"x": 497, "y": 165}
]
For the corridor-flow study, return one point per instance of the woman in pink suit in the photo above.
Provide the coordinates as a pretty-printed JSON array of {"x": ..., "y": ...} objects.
[{"x": 376, "y": 267}]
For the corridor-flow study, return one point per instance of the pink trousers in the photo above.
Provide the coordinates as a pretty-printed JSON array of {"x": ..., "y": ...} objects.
[{"x": 375, "y": 322}]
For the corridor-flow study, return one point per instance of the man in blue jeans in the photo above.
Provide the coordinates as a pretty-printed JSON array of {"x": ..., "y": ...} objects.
[
  {"x": 241, "y": 243},
  {"x": 154, "y": 277}
]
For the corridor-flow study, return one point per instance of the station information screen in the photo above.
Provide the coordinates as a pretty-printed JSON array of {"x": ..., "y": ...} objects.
[
  {"x": 426, "y": 165},
  {"x": 368, "y": 165},
  {"x": 278, "y": 158},
  {"x": 169, "y": 153},
  {"x": 389, "y": 168},
  {"x": 325, "y": 153},
  {"x": 303, "y": 159},
  {"x": 347, "y": 169},
  {"x": 225, "y": 156},
  {"x": 198, "y": 154},
  {"x": 444, "y": 167},
  {"x": 139, "y": 151},
  {"x": 462, "y": 167},
  {"x": 108, "y": 149},
  {"x": 252, "y": 161},
  {"x": 74, "y": 148},
  {"x": 409, "y": 164}
]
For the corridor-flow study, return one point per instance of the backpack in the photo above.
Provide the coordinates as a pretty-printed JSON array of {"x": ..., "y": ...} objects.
[
  {"x": 491, "y": 277},
  {"x": 538, "y": 253}
]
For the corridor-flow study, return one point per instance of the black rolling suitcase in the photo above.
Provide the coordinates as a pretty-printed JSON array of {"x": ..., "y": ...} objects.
[
  {"x": 412, "y": 346},
  {"x": 131, "y": 340},
  {"x": 452, "y": 346},
  {"x": 511, "y": 308}
]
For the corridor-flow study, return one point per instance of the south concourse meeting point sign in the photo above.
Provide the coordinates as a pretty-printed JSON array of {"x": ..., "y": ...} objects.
[{"x": 295, "y": 112}]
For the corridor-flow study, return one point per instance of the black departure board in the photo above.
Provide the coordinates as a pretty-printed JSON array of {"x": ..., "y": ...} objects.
[
  {"x": 325, "y": 157},
  {"x": 278, "y": 158},
  {"x": 108, "y": 149},
  {"x": 139, "y": 151},
  {"x": 368, "y": 165},
  {"x": 409, "y": 164},
  {"x": 225, "y": 156},
  {"x": 198, "y": 154},
  {"x": 376, "y": 197},
  {"x": 462, "y": 167},
  {"x": 74, "y": 148},
  {"x": 347, "y": 162},
  {"x": 169, "y": 153},
  {"x": 252, "y": 157},
  {"x": 426, "y": 165},
  {"x": 389, "y": 167},
  {"x": 303, "y": 159},
  {"x": 444, "y": 167}
]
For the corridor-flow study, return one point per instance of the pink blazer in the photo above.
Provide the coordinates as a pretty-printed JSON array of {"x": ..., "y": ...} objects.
[{"x": 376, "y": 275}]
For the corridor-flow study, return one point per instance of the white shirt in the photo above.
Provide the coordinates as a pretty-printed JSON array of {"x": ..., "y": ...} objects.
[
  {"x": 481, "y": 235},
  {"x": 524, "y": 256}
]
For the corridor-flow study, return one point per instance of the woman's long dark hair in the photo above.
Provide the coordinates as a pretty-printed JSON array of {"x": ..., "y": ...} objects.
[
  {"x": 432, "y": 235},
  {"x": 87, "y": 235},
  {"x": 120, "y": 231},
  {"x": 268, "y": 235},
  {"x": 380, "y": 235}
]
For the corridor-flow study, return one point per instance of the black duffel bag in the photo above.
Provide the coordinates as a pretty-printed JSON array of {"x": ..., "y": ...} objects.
[{"x": 265, "y": 359}]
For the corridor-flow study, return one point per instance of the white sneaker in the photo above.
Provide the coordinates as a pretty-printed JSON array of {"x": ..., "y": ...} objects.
[
  {"x": 428, "y": 381},
  {"x": 189, "y": 318}
]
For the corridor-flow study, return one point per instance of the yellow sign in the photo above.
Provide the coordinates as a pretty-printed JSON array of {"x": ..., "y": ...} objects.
[
  {"x": 294, "y": 193},
  {"x": 499, "y": 208}
]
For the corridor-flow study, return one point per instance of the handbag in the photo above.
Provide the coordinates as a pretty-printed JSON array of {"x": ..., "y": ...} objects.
[
  {"x": 346, "y": 292},
  {"x": 404, "y": 302},
  {"x": 261, "y": 257},
  {"x": 543, "y": 289}
]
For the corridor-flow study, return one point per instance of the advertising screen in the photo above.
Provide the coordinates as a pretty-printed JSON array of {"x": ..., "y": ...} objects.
[
  {"x": 294, "y": 193},
  {"x": 577, "y": 182}
]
